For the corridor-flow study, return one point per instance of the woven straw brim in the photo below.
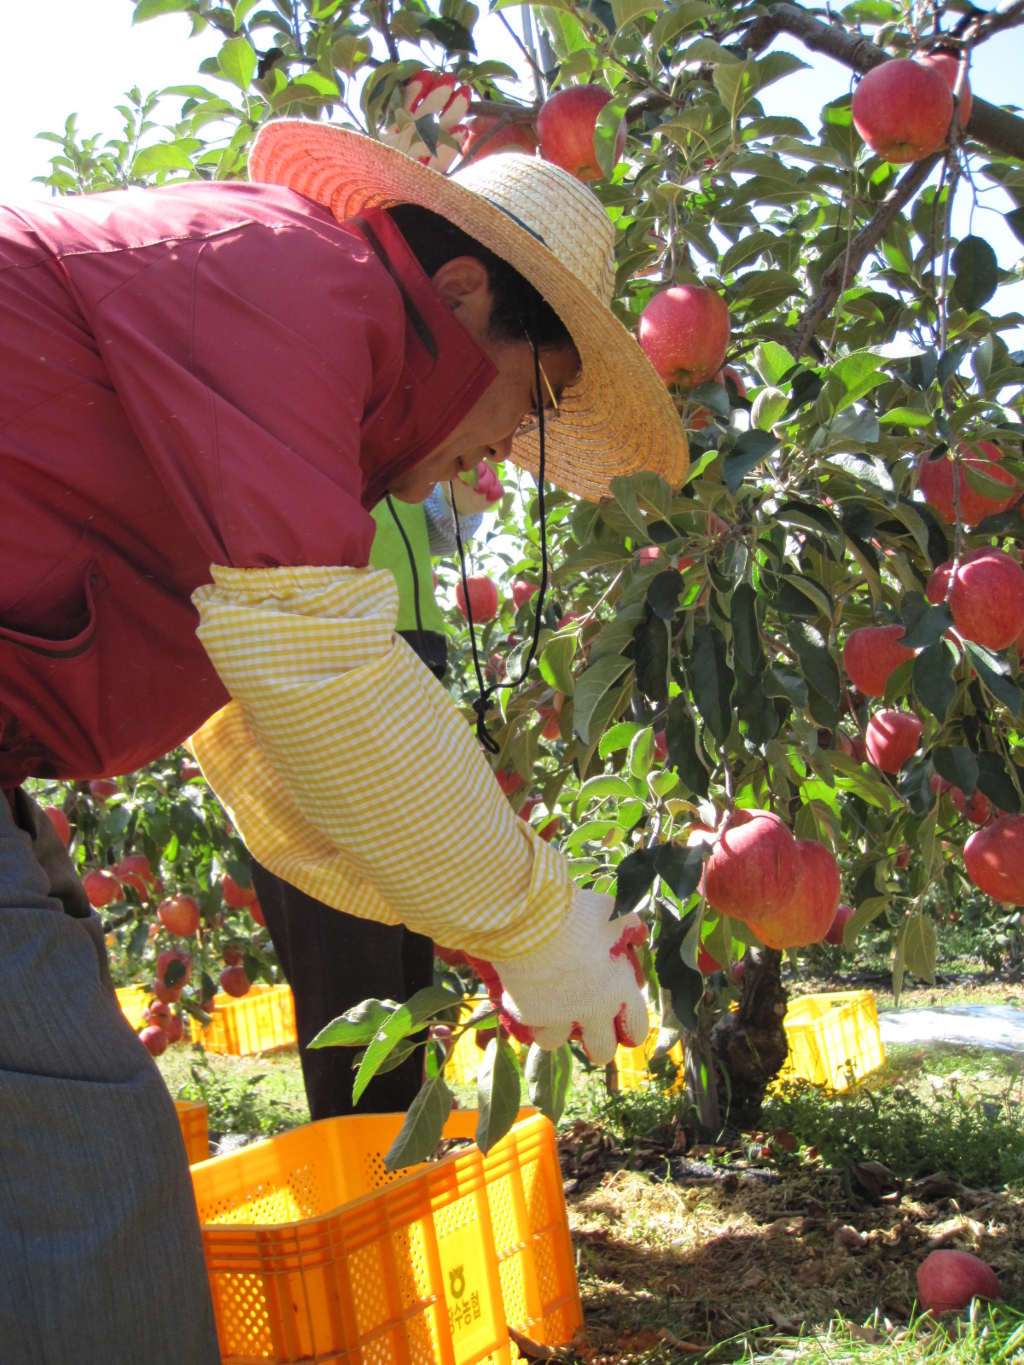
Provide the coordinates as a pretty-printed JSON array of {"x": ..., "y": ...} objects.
[{"x": 618, "y": 417}]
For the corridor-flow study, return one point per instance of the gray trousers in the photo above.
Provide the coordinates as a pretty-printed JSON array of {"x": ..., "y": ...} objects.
[{"x": 101, "y": 1261}]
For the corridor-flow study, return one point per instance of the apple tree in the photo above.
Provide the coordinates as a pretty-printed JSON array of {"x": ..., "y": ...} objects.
[{"x": 825, "y": 621}]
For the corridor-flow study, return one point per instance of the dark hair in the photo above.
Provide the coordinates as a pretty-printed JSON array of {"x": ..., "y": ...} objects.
[{"x": 518, "y": 312}]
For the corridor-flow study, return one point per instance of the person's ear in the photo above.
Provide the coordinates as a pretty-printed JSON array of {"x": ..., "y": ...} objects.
[{"x": 463, "y": 284}]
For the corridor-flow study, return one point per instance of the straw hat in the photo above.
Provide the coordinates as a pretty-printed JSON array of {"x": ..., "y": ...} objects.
[{"x": 618, "y": 417}]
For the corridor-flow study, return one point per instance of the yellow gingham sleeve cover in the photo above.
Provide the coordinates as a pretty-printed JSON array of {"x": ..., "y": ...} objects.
[{"x": 348, "y": 772}]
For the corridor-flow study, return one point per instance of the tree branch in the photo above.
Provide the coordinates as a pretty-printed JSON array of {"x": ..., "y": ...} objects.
[
  {"x": 843, "y": 271},
  {"x": 998, "y": 130}
]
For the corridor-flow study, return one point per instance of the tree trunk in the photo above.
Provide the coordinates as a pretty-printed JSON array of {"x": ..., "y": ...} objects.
[{"x": 749, "y": 1045}]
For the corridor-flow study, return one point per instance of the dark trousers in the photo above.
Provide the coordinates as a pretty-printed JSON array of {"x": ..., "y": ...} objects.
[{"x": 332, "y": 962}]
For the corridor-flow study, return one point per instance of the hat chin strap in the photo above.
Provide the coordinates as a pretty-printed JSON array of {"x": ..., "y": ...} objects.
[{"x": 480, "y": 705}]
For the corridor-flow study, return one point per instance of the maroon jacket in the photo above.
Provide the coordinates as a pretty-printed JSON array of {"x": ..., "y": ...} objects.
[{"x": 194, "y": 375}]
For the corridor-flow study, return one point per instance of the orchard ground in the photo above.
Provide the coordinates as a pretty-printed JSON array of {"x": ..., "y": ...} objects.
[{"x": 799, "y": 1242}]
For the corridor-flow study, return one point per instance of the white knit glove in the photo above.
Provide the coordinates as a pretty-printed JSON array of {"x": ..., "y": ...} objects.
[{"x": 585, "y": 983}]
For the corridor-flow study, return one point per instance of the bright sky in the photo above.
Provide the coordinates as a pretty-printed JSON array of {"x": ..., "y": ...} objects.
[{"x": 93, "y": 55}]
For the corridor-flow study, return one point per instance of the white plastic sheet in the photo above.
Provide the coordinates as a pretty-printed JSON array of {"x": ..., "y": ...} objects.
[{"x": 995, "y": 1026}]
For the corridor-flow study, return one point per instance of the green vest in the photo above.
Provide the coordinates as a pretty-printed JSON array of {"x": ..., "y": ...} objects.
[{"x": 389, "y": 552}]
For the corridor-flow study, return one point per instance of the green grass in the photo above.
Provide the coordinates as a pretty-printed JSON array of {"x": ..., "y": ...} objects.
[
  {"x": 244, "y": 1096},
  {"x": 992, "y": 1335}
]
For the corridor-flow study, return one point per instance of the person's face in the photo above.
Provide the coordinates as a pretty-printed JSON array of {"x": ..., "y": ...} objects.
[{"x": 487, "y": 430}]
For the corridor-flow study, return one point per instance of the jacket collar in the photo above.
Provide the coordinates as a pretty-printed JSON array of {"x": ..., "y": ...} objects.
[{"x": 442, "y": 376}]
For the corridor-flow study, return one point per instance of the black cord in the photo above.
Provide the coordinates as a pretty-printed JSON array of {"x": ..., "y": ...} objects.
[
  {"x": 420, "y": 633},
  {"x": 486, "y": 692}
]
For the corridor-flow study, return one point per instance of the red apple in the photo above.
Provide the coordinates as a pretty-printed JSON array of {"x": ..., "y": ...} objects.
[
  {"x": 256, "y": 910},
  {"x": 521, "y": 594},
  {"x": 189, "y": 771},
  {"x": 512, "y": 137},
  {"x": 548, "y": 831},
  {"x": 103, "y": 788},
  {"x": 902, "y": 109},
  {"x": 935, "y": 480},
  {"x": 649, "y": 554},
  {"x": 154, "y": 1040},
  {"x": 979, "y": 808},
  {"x": 157, "y": 1012},
  {"x": 948, "y": 1280},
  {"x": 994, "y": 859},
  {"x": 174, "y": 1028},
  {"x": 706, "y": 964},
  {"x": 173, "y": 968},
  {"x": 939, "y": 785},
  {"x": 738, "y": 971},
  {"x": 684, "y": 333},
  {"x": 892, "y": 736},
  {"x": 837, "y": 928},
  {"x": 60, "y": 822},
  {"x": 101, "y": 888},
  {"x": 871, "y": 654},
  {"x": 233, "y": 895},
  {"x": 232, "y": 957},
  {"x": 660, "y": 746},
  {"x": 752, "y": 872},
  {"x": 732, "y": 379},
  {"x": 903, "y": 856},
  {"x": 233, "y": 981},
  {"x": 180, "y": 915},
  {"x": 815, "y": 902},
  {"x": 136, "y": 871},
  {"x": 483, "y": 598},
  {"x": 508, "y": 780},
  {"x": 949, "y": 65},
  {"x": 565, "y": 128},
  {"x": 987, "y": 600}
]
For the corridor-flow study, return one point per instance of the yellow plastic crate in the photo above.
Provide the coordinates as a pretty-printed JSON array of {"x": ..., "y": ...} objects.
[
  {"x": 133, "y": 1001},
  {"x": 632, "y": 1064},
  {"x": 258, "y": 1022},
  {"x": 834, "y": 1039},
  {"x": 192, "y": 1117},
  {"x": 316, "y": 1254}
]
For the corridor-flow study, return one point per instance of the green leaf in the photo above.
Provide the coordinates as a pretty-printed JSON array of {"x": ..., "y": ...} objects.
[
  {"x": 712, "y": 679},
  {"x": 663, "y": 593},
  {"x": 1015, "y": 222},
  {"x": 237, "y": 61},
  {"x": 625, "y": 11},
  {"x": 746, "y": 636},
  {"x": 163, "y": 156},
  {"x": 397, "y": 1026},
  {"x": 750, "y": 449},
  {"x": 430, "y": 1001},
  {"x": 606, "y": 133},
  {"x": 816, "y": 663},
  {"x": 680, "y": 868},
  {"x": 994, "y": 672},
  {"x": 423, "y": 1126},
  {"x": 651, "y": 641},
  {"x": 929, "y": 628},
  {"x": 606, "y": 784},
  {"x": 736, "y": 84},
  {"x": 624, "y": 493},
  {"x": 634, "y": 878},
  {"x": 641, "y": 753},
  {"x": 150, "y": 9},
  {"x": 779, "y": 681},
  {"x": 977, "y": 273},
  {"x": 591, "y": 688},
  {"x": 772, "y": 361},
  {"x": 957, "y": 765},
  {"x": 819, "y": 520},
  {"x": 548, "y": 1075},
  {"x": 684, "y": 985},
  {"x": 997, "y": 783},
  {"x": 618, "y": 737},
  {"x": 498, "y": 1091},
  {"x": 556, "y": 663},
  {"x": 681, "y": 738},
  {"x": 933, "y": 678},
  {"x": 357, "y": 1026},
  {"x": 921, "y": 947}
]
